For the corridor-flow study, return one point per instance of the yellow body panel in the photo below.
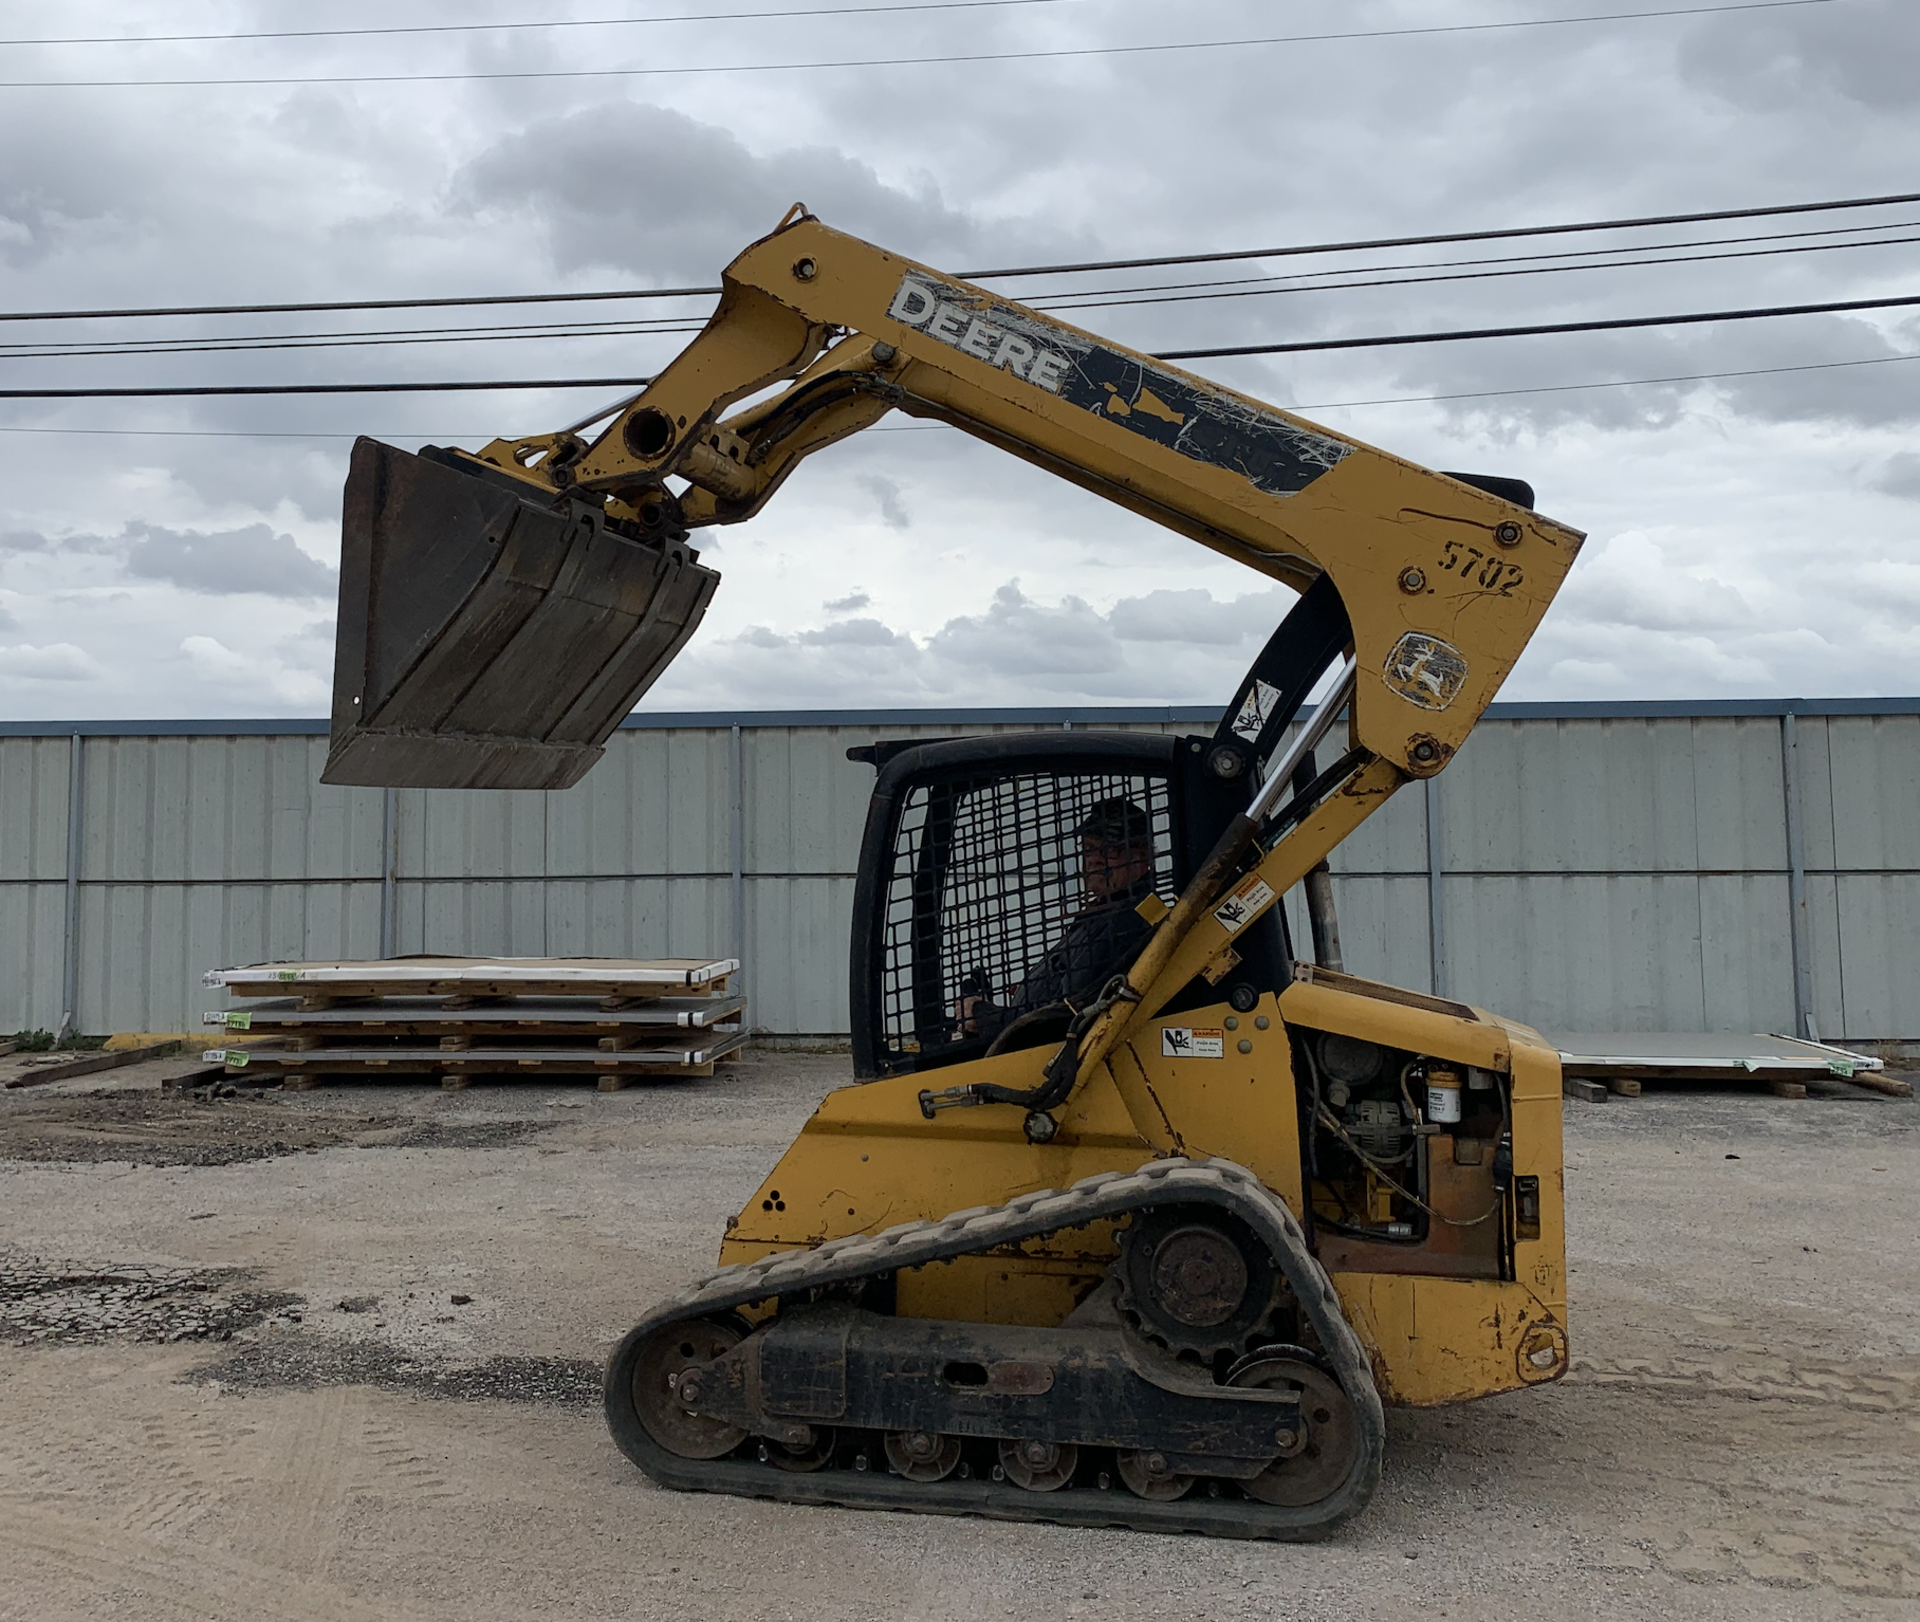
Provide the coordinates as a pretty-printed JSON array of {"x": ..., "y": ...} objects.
[{"x": 868, "y": 1160}]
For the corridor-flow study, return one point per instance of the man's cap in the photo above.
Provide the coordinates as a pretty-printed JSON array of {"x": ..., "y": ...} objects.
[{"x": 1117, "y": 821}]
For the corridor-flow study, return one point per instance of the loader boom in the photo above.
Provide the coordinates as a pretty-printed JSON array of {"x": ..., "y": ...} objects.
[{"x": 1442, "y": 583}]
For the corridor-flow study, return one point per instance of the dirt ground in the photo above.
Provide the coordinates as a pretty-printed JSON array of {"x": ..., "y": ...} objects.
[{"x": 336, "y": 1354}]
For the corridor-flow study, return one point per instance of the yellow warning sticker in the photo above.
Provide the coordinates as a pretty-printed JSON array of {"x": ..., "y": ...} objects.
[
  {"x": 1190, "y": 1042},
  {"x": 1245, "y": 904}
]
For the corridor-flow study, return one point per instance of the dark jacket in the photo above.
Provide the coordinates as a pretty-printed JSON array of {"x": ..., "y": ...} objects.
[{"x": 1100, "y": 942}]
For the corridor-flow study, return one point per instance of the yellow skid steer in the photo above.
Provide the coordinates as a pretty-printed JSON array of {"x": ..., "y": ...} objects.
[{"x": 1131, "y": 1218}]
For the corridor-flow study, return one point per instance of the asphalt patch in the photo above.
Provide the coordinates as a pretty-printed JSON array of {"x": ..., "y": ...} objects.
[
  {"x": 291, "y": 1360},
  {"x": 166, "y": 1129},
  {"x": 51, "y": 1303}
]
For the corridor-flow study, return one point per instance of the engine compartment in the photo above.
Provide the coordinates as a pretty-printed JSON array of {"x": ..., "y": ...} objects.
[{"x": 1409, "y": 1160}]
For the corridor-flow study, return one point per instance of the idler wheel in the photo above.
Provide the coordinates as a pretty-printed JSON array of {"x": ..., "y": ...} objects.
[
  {"x": 1329, "y": 1438},
  {"x": 800, "y": 1453},
  {"x": 1147, "y": 1476},
  {"x": 1039, "y": 1466},
  {"x": 1195, "y": 1280},
  {"x": 922, "y": 1455},
  {"x": 672, "y": 1357}
]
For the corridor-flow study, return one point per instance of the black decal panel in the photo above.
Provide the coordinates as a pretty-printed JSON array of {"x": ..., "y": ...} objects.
[
  {"x": 1208, "y": 425},
  {"x": 1270, "y": 452}
]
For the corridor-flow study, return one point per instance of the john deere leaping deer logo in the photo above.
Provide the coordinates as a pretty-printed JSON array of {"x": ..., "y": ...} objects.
[{"x": 1425, "y": 671}]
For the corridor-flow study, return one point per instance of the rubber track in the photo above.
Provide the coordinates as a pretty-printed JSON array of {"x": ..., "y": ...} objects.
[{"x": 1219, "y": 1183}]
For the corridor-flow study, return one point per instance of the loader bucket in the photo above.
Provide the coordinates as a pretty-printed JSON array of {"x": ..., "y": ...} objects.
[{"x": 491, "y": 635}]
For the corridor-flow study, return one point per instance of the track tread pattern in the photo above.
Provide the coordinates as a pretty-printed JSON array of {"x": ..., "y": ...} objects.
[{"x": 1220, "y": 1183}]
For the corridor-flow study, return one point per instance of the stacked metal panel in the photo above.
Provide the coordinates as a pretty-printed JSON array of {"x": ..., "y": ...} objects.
[{"x": 460, "y": 1018}]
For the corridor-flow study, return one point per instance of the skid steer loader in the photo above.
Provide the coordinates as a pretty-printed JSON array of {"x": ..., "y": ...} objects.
[{"x": 1131, "y": 1218}]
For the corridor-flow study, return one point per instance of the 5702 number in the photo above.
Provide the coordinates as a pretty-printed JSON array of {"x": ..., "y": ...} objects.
[{"x": 1470, "y": 563}]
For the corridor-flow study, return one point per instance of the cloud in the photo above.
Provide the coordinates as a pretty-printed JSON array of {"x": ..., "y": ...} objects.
[
  {"x": 1198, "y": 616},
  {"x": 220, "y": 667},
  {"x": 58, "y": 661},
  {"x": 1017, "y": 650},
  {"x": 1765, "y": 531},
  {"x": 230, "y": 562},
  {"x": 1900, "y": 476},
  {"x": 689, "y": 195},
  {"x": 886, "y": 492}
]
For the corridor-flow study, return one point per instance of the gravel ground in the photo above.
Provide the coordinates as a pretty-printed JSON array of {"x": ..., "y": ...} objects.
[{"x": 335, "y": 1354}]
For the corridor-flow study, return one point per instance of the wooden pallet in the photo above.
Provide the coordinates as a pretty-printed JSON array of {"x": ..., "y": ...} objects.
[
  {"x": 577, "y": 1017},
  {"x": 481, "y": 977},
  {"x": 460, "y": 1018}
]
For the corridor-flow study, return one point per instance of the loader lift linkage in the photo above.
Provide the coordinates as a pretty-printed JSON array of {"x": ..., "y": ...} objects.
[{"x": 1130, "y": 1218}]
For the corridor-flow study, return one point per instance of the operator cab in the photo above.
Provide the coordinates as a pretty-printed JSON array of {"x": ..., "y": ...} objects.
[{"x": 1005, "y": 880}]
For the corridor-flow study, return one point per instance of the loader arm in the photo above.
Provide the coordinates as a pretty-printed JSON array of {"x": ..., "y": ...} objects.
[{"x": 1442, "y": 583}]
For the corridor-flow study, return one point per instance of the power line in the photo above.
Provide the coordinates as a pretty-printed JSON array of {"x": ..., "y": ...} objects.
[
  {"x": 957, "y": 59},
  {"x": 1612, "y": 383},
  {"x": 1389, "y": 340},
  {"x": 324, "y": 388},
  {"x": 1377, "y": 341},
  {"x": 1324, "y": 405},
  {"x": 1467, "y": 264},
  {"x": 28, "y": 348},
  {"x": 567, "y": 22},
  {"x": 1463, "y": 276},
  {"x": 338, "y": 305},
  {"x": 1367, "y": 244},
  {"x": 348, "y": 341},
  {"x": 1295, "y": 251},
  {"x": 259, "y": 343}
]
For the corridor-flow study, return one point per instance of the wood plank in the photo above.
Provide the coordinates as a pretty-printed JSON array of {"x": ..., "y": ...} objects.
[
  {"x": 1881, "y": 1082},
  {"x": 1588, "y": 1092},
  {"x": 1787, "y": 1089},
  {"x": 1623, "y": 1087},
  {"x": 92, "y": 1063}
]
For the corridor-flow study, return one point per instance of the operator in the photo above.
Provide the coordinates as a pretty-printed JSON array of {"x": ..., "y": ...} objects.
[{"x": 1116, "y": 871}]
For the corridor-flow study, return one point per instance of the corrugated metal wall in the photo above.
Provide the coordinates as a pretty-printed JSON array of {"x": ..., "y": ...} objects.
[{"x": 1577, "y": 869}]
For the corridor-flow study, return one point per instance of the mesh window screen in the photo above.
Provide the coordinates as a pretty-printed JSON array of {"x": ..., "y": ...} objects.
[{"x": 1018, "y": 890}]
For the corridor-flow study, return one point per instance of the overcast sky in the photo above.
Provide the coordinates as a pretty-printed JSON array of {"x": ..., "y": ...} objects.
[{"x": 1750, "y": 536}]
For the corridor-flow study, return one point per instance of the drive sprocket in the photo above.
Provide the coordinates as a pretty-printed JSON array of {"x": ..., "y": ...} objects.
[{"x": 1195, "y": 1280}]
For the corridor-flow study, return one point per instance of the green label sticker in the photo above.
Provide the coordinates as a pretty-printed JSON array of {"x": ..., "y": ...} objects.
[
  {"x": 1841, "y": 1067},
  {"x": 240, "y": 1020},
  {"x": 236, "y": 1059},
  {"x": 286, "y": 974}
]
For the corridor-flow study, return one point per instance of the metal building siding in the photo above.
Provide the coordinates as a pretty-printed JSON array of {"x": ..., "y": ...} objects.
[
  {"x": 1598, "y": 871},
  {"x": 33, "y": 809},
  {"x": 32, "y": 947}
]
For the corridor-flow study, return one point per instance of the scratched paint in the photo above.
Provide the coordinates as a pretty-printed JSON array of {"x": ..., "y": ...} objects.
[{"x": 1207, "y": 425}]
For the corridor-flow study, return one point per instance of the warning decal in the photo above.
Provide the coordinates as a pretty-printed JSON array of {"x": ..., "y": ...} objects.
[
  {"x": 1240, "y": 908},
  {"x": 1185, "y": 1042},
  {"x": 1255, "y": 709}
]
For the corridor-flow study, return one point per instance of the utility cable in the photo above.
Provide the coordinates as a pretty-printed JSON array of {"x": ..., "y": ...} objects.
[
  {"x": 924, "y": 428},
  {"x": 564, "y": 22},
  {"x": 1067, "y": 302},
  {"x": 1377, "y": 341},
  {"x": 1612, "y": 383},
  {"x": 956, "y": 59},
  {"x": 1296, "y": 251},
  {"x": 263, "y": 342},
  {"x": 325, "y": 388},
  {"x": 347, "y": 341},
  {"x": 1384, "y": 341},
  {"x": 1469, "y": 264}
]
